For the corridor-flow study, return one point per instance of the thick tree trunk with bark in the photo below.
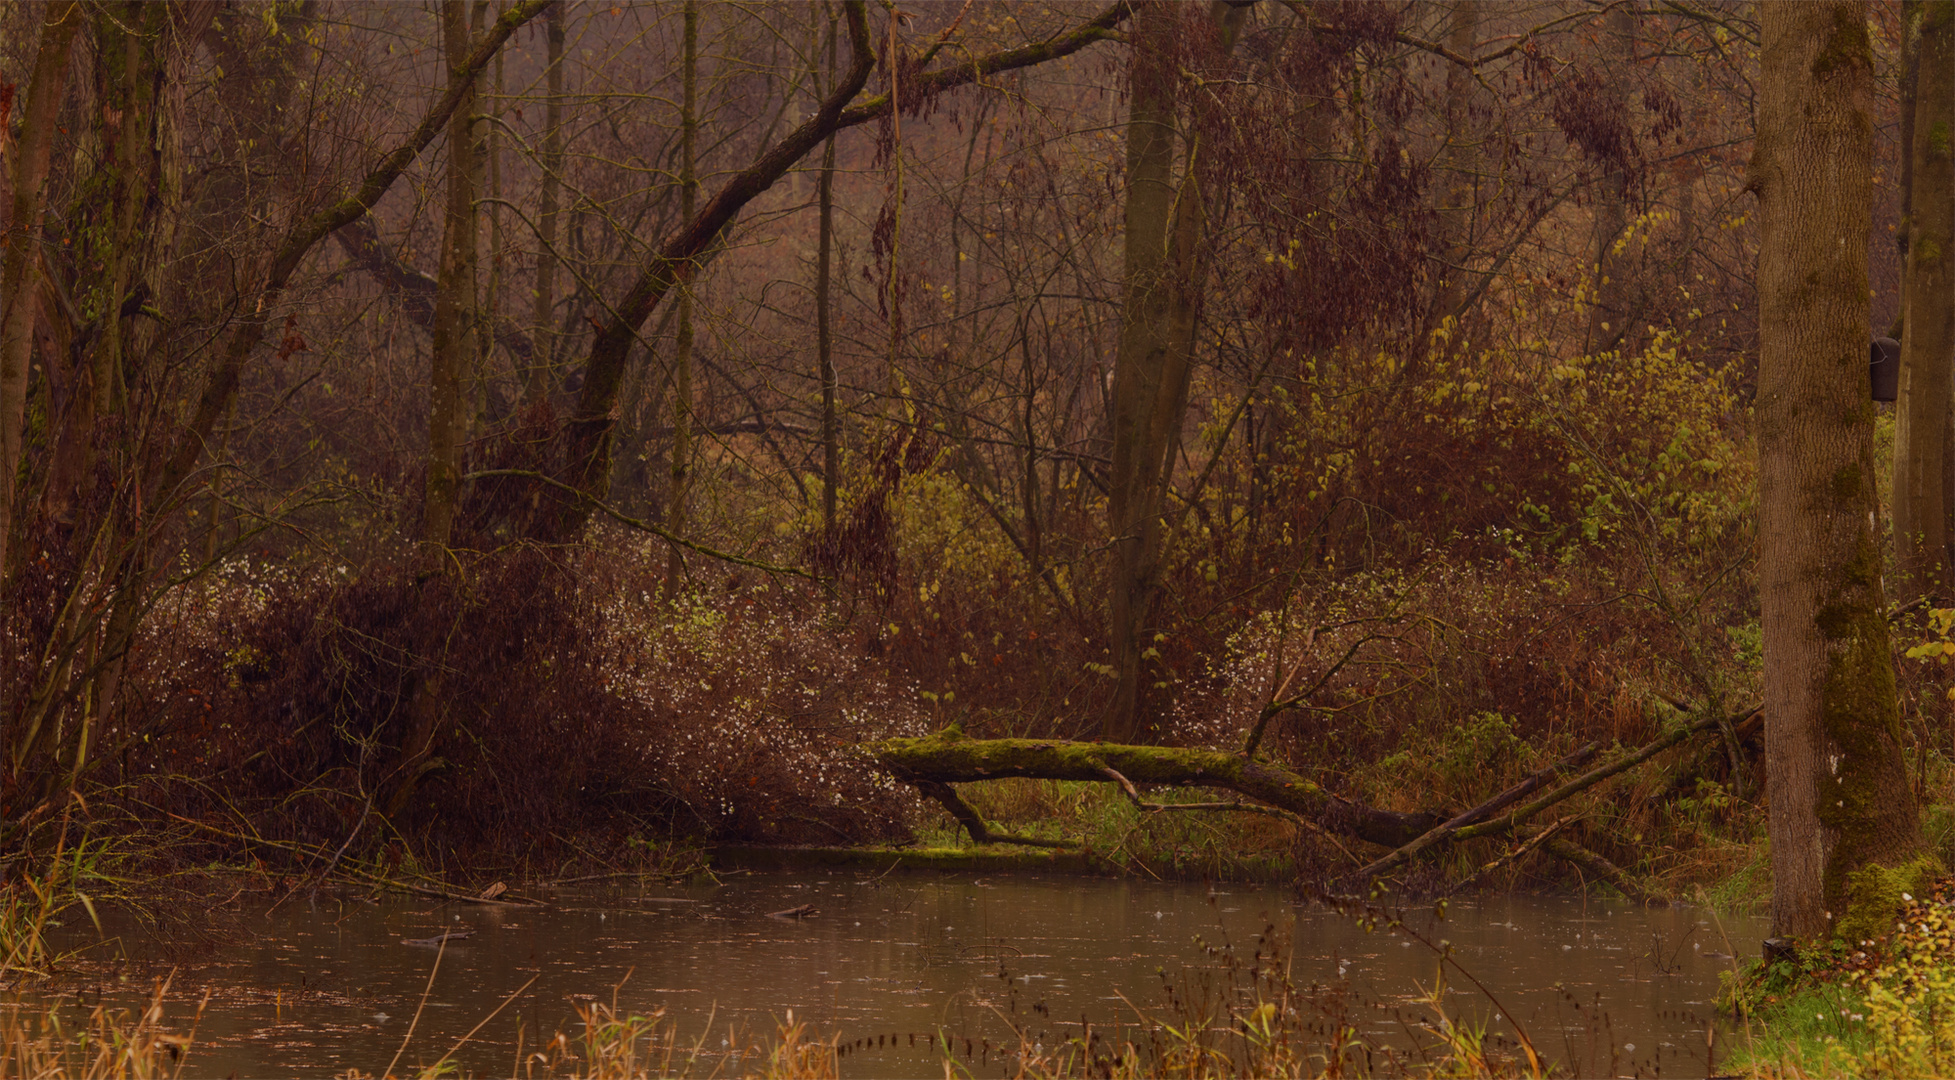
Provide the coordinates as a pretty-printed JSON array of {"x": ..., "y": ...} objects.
[
  {"x": 19, "y": 273},
  {"x": 1462, "y": 161},
  {"x": 1840, "y": 796},
  {"x": 454, "y": 298},
  {"x": 1165, "y": 223},
  {"x": 824, "y": 332},
  {"x": 539, "y": 374},
  {"x": 452, "y": 351},
  {"x": 679, "y": 476},
  {"x": 1923, "y": 432}
]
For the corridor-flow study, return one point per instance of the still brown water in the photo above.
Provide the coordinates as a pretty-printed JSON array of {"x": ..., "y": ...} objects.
[{"x": 315, "y": 989}]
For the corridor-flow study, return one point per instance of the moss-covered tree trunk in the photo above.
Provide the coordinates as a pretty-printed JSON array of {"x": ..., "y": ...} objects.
[
  {"x": 949, "y": 758},
  {"x": 1840, "y": 800},
  {"x": 1922, "y": 427}
]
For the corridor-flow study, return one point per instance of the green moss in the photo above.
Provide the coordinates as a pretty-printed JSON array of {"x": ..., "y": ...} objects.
[
  {"x": 1846, "y": 482},
  {"x": 1863, "y": 795},
  {"x": 1874, "y": 897},
  {"x": 1846, "y": 47}
]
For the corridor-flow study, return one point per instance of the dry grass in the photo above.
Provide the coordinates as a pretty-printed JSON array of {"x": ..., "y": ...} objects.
[{"x": 37, "y": 1043}]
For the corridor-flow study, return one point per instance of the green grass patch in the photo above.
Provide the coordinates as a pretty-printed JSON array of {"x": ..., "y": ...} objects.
[{"x": 1864, "y": 1008}]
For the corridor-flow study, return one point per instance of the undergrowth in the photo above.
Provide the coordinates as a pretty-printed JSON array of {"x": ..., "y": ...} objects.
[{"x": 1872, "y": 1008}]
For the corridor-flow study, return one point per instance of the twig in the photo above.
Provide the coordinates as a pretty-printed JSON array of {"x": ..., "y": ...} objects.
[
  {"x": 435, "y": 1068},
  {"x": 617, "y": 875},
  {"x": 506, "y": 900}
]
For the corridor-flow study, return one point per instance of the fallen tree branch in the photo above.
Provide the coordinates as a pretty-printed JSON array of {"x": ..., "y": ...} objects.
[
  {"x": 1527, "y": 845},
  {"x": 1570, "y": 851},
  {"x": 1519, "y": 817},
  {"x": 948, "y": 757},
  {"x": 1248, "y": 808},
  {"x": 1479, "y": 813},
  {"x": 974, "y": 823}
]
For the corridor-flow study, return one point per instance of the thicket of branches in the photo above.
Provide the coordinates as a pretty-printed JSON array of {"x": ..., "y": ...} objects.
[{"x": 785, "y": 359}]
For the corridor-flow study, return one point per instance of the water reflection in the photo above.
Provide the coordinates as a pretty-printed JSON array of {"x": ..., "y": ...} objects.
[{"x": 899, "y": 961}]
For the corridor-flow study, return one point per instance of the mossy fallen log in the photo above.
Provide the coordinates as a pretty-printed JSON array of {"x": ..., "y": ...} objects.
[{"x": 949, "y": 758}]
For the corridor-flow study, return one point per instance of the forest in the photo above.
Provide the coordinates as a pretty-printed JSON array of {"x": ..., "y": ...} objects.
[{"x": 1431, "y": 444}]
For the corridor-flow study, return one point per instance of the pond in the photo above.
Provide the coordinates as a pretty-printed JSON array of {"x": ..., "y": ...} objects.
[{"x": 315, "y": 988}]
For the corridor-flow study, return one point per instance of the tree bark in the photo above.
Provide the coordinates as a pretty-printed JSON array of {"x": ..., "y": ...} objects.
[
  {"x": 1840, "y": 794},
  {"x": 1910, "y": 76},
  {"x": 680, "y": 474},
  {"x": 452, "y": 352},
  {"x": 454, "y": 297},
  {"x": 824, "y": 333},
  {"x": 539, "y": 374},
  {"x": 1463, "y": 160},
  {"x": 1164, "y": 268},
  {"x": 1922, "y": 428},
  {"x": 19, "y": 272}
]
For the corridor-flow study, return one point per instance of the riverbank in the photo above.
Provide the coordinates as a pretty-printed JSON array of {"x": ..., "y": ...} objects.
[{"x": 1870, "y": 1008}]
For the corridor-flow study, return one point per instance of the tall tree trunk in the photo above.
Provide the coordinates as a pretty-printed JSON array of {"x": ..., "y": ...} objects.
[
  {"x": 540, "y": 375},
  {"x": 1840, "y": 795},
  {"x": 1910, "y": 77},
  {"x": 452, "y": 353},
  {"x": 1462, "y": 159},
  {"x": 1923, "y": 431},
  {"x": 824, "y": 333},
  {"x": 454, "y": 300},
  {"x": 488, "y": 181},
  {"x": 675, "y": 499},
  {"x": 19, "y": 273},
  {"x": 1164, "y": 270}
]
